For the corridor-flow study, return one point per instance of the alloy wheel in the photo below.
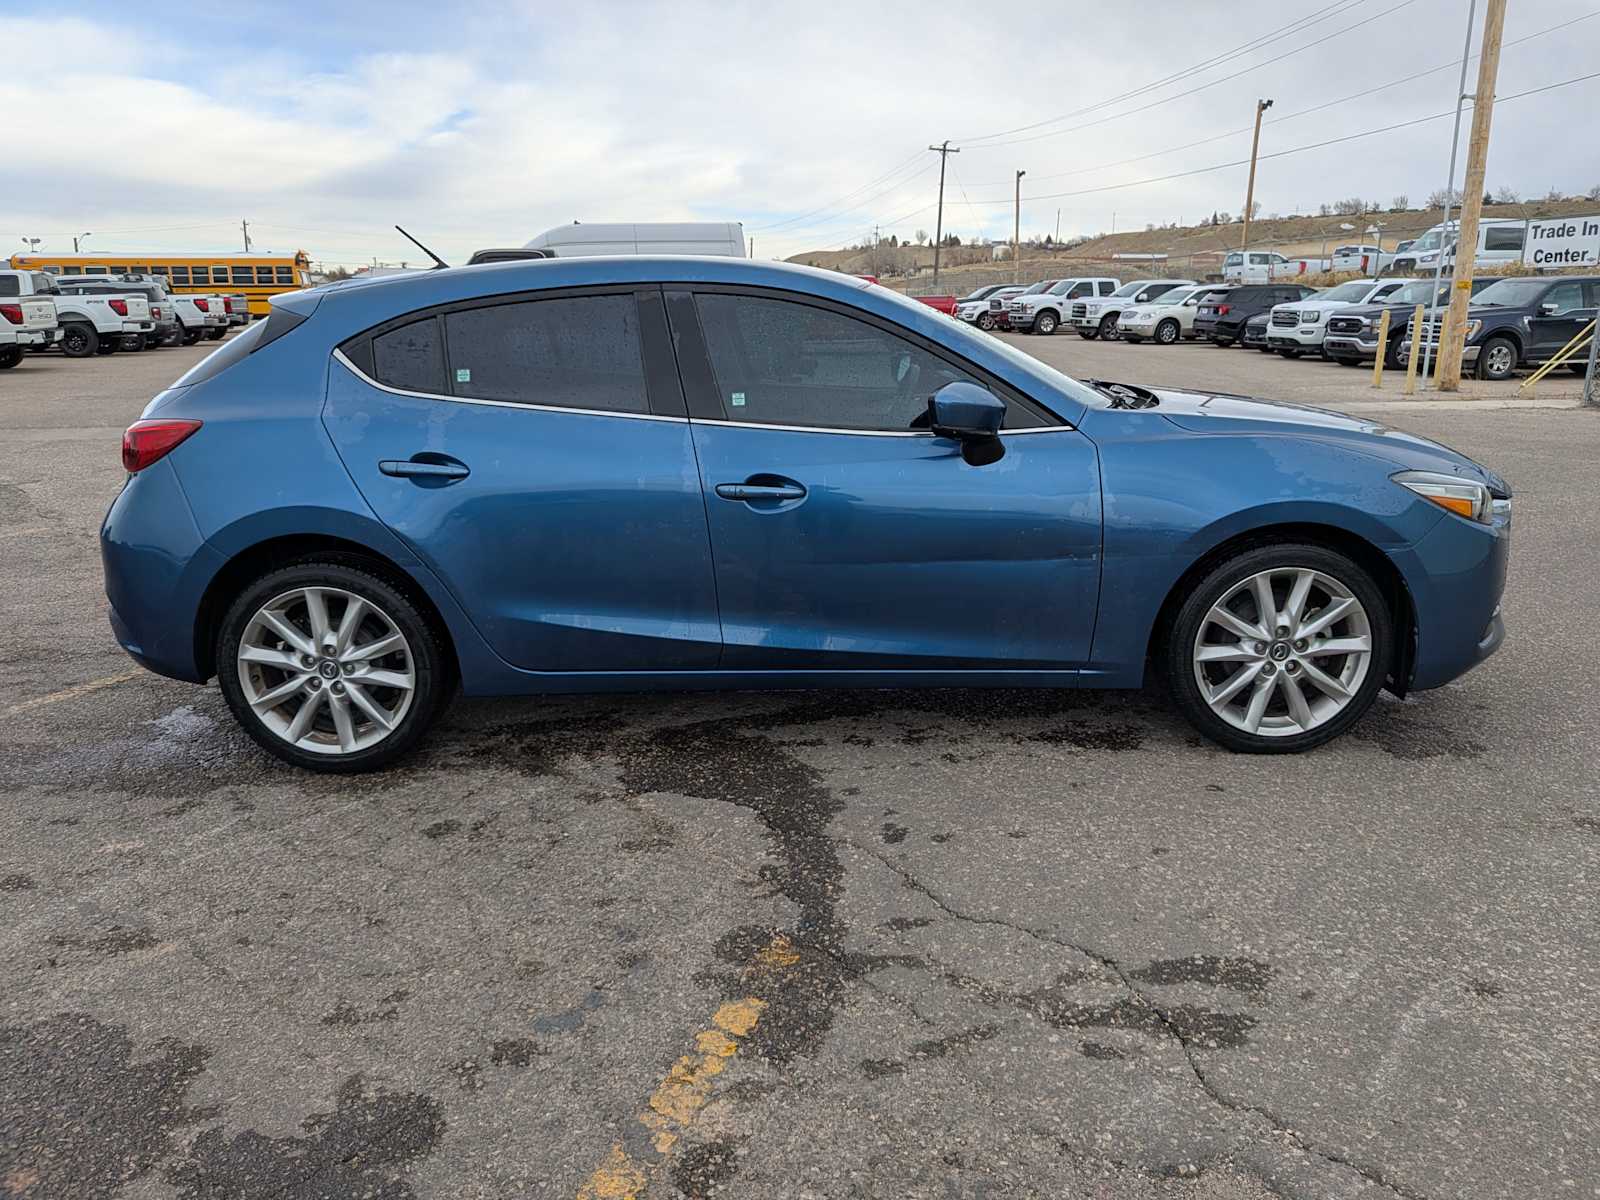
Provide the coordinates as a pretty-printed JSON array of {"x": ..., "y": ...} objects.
[
  {"x": 326, "y": 670},
  {"x": 1283, "y": 652}
]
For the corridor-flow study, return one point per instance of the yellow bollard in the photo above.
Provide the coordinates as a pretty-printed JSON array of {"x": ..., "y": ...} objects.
[
  {"x": 1416, "y": 351},
  {"x": 1438, "y": 354},
  {"x": 1383, "y": 349}
]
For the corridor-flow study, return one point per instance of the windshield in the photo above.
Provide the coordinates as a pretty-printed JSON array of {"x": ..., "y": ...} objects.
[
  {"x": 981, "y": 293},
  {"x": 1356, "y": 289},
  {"x": 1511, "y": 292},
  {"x": 1182, "y": 295},
  {"x": 1129, "y": 289},
  {"x": 1044, "y": 285},
  {"x": 1428, "y": 241},
  {"x": 1413, "y": 293}
]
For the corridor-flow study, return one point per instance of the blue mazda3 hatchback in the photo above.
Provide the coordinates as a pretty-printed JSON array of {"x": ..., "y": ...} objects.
[{"x": 666, "y": 473}]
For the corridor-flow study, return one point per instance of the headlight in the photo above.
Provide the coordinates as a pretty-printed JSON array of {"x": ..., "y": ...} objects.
[
  {"x": 1464, "y": 497},
  {"x": 1472, "y": 329},
  {"x": 1311, "y": 317},
  {"x": 1427, "y": 258}
]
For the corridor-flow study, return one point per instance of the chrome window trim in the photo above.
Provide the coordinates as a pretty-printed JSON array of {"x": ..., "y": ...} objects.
[
  {"x": 927, "y": 433},
  {"x": 339, "y": 356}
]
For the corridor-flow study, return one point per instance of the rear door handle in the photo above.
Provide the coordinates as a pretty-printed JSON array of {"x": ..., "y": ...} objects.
[
  {"x": 761, "y": 491},
  {"x": 410, "y": 467}
]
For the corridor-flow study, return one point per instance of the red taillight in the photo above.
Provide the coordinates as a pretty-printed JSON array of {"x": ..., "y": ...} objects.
[
  {"x": 227, "y": 305},
  {"x": 203, "y": 305},
  {"x": 155, "y": 312},
  {"x": 148, "y": 442},
  {"x": 120, "y": 307},
  {"x": 12, "y": 313},
  {"x": 1222, "y": 310}
]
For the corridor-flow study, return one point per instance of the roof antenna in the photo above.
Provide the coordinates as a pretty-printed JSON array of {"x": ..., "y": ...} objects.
[{"x": 437, "y": 260}]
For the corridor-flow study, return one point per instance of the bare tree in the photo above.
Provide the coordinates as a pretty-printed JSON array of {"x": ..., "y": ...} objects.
[
  {"x": 1353, "y": 207},
  {"x": 922, "y": 236},
  {"x": 1443, "y": 196},
  {"x": 1507, "y": 196},
  {"x": 1554, "y": 194},
  {"x": 1593, "y": 193},
  {"x": 1400, "y": 203}
]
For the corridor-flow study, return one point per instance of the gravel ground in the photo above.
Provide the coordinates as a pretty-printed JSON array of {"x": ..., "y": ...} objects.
[{"x": 945, "y": 944}]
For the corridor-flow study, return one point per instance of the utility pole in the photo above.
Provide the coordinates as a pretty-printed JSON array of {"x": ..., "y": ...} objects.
[
  {"x": 1058, "y": 227},
  {"x": 1429, "y": 337},
  {"x": 944, "y": 152},
  {"x": 1016, "y": 233},
  {"x": 1250, "y": 188},
  {"x": 1455, "y": 329},
  {"x": 244, "y": 227}
]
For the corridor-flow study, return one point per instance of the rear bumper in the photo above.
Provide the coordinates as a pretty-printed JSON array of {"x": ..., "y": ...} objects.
[
  {"x": 37, "y": 337},
  {"x": 156, "y": 569}
]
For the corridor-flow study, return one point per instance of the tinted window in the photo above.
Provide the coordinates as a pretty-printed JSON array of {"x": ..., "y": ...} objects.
[
  {"x": 575, "y": 352},
  {"x": 781, "y": 363},
  {"x": 1106, "y": 287},
  {"x": 284, "y": 274},
  {"x": 180, "y": 275},
  {"x": 243, "y": 275},
  {"x": 1503, "y": 237},
  {"x": 9, "y": 286},
  {"x": 411, "y": 357},
  {"x": 1565, "y": 297}
]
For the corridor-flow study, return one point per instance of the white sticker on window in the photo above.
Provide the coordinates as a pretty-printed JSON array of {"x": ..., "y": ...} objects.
[
  {"x": 463, "y": 375},
  {"x": 738, "y": 400}
]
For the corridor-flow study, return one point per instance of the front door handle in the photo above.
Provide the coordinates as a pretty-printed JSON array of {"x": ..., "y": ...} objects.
[
  {"x": 761, "y": 491},
  {"x": 413, "y": 468}
]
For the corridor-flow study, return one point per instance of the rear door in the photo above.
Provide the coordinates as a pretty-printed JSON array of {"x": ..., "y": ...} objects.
[
  {"x": 845, "y": 535},
  {"x": 534, "y": 451}
]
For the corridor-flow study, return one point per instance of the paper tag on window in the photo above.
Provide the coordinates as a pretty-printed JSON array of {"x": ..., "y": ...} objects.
[
  {"x": 738, "y": 400},
  {"x": 463, "y": 375}
]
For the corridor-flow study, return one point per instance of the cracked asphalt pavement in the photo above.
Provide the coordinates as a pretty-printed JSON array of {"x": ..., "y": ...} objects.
[{"x": 858, "y": 944}]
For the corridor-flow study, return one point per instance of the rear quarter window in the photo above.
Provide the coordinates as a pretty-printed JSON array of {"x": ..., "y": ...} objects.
[{"x": 411, "y": 357}]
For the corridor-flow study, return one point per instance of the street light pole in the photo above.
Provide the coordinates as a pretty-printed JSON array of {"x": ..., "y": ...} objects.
[
  {"x": 1016, "y": 233},
  {"x": 1250, "y": 190},
  {"x": 1449, "y": 189},
  {"x": 78, "y": 239}
]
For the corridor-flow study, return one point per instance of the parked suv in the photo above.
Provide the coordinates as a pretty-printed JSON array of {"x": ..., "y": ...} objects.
[
  {"x": 1223, "y": 311},
  {"x": 1353, "y": 332},
  {"x": 986, "y": 307},
  {"x": 1098, "y": 318},
  {"x": 1303, "y": 324},
  {"x": 1166, "y": 319},
  {"x": 1044, "y": 312},
  {"x": 1520, "y": 322}
]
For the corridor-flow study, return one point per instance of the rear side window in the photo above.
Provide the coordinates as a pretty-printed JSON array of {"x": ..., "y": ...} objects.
[
  {"x": 570, "y": 352},
  {"x": 410, "y": 358},
  {"x": 9, "y": 286}
]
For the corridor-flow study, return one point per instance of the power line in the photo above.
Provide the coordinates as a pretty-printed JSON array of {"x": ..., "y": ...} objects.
[
  {"x": 917, "y": 157},
  {"x": 1295, "y": 26}
]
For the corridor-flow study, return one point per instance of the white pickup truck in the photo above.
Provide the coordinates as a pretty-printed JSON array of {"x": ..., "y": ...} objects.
[
  {"x": 1265, "y": 266},
  {"x": 89, "y": 324},
  {"x": 26, "y": 323}
]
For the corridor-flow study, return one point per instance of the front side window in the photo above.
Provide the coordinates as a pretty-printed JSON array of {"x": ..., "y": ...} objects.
[
  {"x": 1564, "y": 297},
  {"x": 569, "y": 352},
  {"x": 411, "y": 358},
  {"x": 1503, "y": 237},
  {"x": 778, "y": 362},
  {"x": 1259, "y": 260}
]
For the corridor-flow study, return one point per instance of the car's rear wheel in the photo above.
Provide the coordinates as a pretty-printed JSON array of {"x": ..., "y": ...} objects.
[
  {"x": 109, "y": 345},
  {"x": 192, "y": 336},
  {"x": 331, "y": 667},
  {"x": 216, "y": 333},
  {"x": 10, "y": 356},
  {"x": 1168, "y": 332},
  {"x": 1045, "y": 323},
  {"x": 1498, "y": 359},
  {"x": 1279, "y": 648},
  {"x": 1344, "y": 360},
  {"x": 1222, "y": 343},
  {"x": 79, "y": 340}
]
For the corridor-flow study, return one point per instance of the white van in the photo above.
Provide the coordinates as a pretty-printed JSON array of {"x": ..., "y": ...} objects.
[
  {"x": 1499, "y": 241},
  {"x": 725, "y": 238}
]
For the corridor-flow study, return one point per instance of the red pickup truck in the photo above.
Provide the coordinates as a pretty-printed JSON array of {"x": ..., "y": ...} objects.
[{"x": 944, "y": 304}]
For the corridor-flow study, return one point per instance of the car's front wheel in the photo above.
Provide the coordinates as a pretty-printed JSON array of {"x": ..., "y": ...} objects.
[
  {"x": 1108, "y": 328},
  {"x": 985, "y": 322},
  {"x": 331, "y": 667},
  {"x": 1168, "y": 332},
  {"x": 1045, "y": 323},
  {"x": 1279, "y": 648},
  {"x": 1498, "y": 359}
]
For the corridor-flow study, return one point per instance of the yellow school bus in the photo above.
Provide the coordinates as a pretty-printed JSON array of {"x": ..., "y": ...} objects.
[{"x": 258, "y": 276}]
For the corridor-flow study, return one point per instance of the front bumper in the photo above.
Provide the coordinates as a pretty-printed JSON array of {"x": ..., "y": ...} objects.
[
  {"x": 1087, "y": 321},
  {"x": 1020, "y": 320},
  {"x": 1456, "y": 575},
  {"x": 1469, "y": 353},
  {"x": 1296, "y": 337},
  {"x": 1348, "y": 345}
]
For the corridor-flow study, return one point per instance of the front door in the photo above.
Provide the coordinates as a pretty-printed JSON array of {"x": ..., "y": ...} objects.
[
  {"x": 845, "y": 535},
  {"x": 523, "y": 450},
  {"x": 1566, "y": 309}
]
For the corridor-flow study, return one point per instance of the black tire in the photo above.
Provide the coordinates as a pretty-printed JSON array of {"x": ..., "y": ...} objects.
[
  {"x": 10, "y": 356},
  {"x": 152, "y": 340},
  {"x": 216, "y": 333},
  {"x": 1345, "y": 360},
  {"x": 1264, "y": 349},
  {"x": 1108, "y": 328},
  {"x": 1222, "y": 343},
  {"x": 109, "y": 345},
  {"x": 1177, "y": 652},
  {"x": 192, "y": 337},
  {"x": 1088, "y": 335},
  {"x": 172, "y": 337},
  {"x": 1045, "y": 323},
  {"x": 1393, "y": 360},
  {"x": 986, "y": 322},
  {"x": 79, "y": 340},
  {"x": 431, "y": 662},
  {"x": 1168, "y": 332},
  {"x": 1132, "y": 341},
  {"x": 1578, "y": 368},
  {"x": 133, "y": 343},
  {"x": 1497, "y": 359},
  {"x": 1288, "y": 353}
]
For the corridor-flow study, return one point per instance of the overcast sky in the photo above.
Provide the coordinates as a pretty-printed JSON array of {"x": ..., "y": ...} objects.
[{"x": 482, "y": 124}]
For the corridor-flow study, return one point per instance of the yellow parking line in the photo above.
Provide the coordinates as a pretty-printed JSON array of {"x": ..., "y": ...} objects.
[
  {"x": 71, "y": 693},
  {"x": 677, "y": 1101}
]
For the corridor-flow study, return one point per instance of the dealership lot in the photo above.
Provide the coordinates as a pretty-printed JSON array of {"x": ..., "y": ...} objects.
[{"x": 866, "y": 943}]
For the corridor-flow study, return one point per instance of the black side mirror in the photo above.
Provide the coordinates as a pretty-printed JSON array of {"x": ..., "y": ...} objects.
[{"x": 971, "y": 415}]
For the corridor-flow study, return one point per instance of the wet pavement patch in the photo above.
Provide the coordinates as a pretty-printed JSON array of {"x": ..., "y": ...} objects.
[
  {"x": 1249, "y": 976},
  {"x": 83, "y": 1112},
  {"x": 116, "y": 940},
  {"x": 17, "y": 882},
  {"x": 347, "y": 1014},
  {"x": 359, "y": 1151}
]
